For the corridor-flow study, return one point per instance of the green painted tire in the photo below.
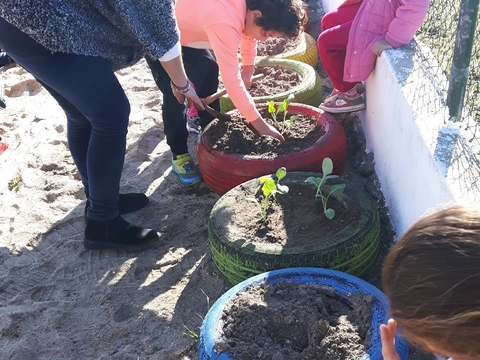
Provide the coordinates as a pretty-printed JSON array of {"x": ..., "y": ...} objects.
[
  {"x": 352, "y": 250},
  {"x": 308, "y": 91}
]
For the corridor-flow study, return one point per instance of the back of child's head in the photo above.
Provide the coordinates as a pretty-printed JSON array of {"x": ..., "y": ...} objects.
[
  {"x": 284, "y": 16},
  {"x": 432, "y": 280}
]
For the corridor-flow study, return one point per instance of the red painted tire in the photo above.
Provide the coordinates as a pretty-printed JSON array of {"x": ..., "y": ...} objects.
[{"x": 222, "y": 172}]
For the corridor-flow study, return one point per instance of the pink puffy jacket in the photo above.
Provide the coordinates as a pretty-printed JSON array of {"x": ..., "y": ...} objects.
[{"x": 393, "y": 20}]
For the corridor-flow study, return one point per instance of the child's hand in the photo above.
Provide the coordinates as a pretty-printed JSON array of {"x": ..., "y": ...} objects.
[
  {"x": 381, "y": 45},
  {"x": 262, "y": 128},
  {"x": 387, "y": 333},
  {"x": 247, "y": 73}
]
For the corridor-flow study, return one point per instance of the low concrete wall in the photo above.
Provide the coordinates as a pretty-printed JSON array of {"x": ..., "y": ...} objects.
[{"x": 422, "y": 159}]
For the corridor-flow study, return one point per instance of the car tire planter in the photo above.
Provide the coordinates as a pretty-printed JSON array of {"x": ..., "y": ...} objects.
[
  {"x": 222, "y": 171},
  {"x": 308, "y": 91},
  {"x": 342, "y": 285},
  {"x": 352, "y": 249},
  {"x": 306, "y": 51}
]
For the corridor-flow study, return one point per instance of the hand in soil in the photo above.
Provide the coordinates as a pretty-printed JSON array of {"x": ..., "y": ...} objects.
[
  {"x": 263, "y": 128},
  {"x": 387, "y": 333}
]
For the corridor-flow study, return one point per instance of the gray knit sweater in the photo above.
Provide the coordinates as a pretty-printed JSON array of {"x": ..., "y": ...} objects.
[{"x": 122, "y": 31}]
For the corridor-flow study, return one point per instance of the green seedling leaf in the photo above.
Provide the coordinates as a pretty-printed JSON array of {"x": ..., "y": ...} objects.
[
  {"x": 331, "y": 177},
  {"x": 281, "y": 173},
  {"x": 271, "y": 107},
  {"x": 329, "y": 213},
  {"x": 337, "y": 189},
  {"x": 268, "y": 187},
  {"x": 315, "y": 181},
  {"x": 263, "y": 179},
  {"x": 327, "y": 166}
]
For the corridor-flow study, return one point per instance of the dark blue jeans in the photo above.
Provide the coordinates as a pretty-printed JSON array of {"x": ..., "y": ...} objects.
[
  {"x": 202, "y": 70},
  {"x": 97, "y": 113}
]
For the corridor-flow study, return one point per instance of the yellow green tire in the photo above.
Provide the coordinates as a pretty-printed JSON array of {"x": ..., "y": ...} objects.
[
  {"x": 308, "y": 91},
  {"x": 305, "y": 52}
]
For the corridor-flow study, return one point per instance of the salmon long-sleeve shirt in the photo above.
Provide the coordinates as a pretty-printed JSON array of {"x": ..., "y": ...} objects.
[{"x": 219, "y": 25}]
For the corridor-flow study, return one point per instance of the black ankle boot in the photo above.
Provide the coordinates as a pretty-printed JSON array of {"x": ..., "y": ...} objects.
[
  {"x": 117, "y": 234},
  {"x": 127, "y": 203}
]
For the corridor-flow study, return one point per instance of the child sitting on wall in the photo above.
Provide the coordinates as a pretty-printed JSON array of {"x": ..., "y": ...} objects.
[{"x": 352, "y": 38}]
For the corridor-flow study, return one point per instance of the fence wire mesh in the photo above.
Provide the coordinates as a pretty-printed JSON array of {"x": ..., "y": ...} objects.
[
  {"x": 437, "y": 37},
  {"x": 438, "y": 33}
]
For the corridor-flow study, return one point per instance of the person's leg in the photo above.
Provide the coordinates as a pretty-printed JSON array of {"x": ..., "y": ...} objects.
[
  {"x": 174, "y": 123},
  {"x": 202, "y": 70},
  {"x": 332, "y": 44},
  {"x": 339, "y": 16},
  {"x": 97, "y": 114},
  {"x": 173, "y": 113}
]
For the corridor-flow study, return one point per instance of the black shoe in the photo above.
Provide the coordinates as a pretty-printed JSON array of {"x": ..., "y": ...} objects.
[
  {"x": 128, "y": 203},
  {"x": 117, "y": 234}
]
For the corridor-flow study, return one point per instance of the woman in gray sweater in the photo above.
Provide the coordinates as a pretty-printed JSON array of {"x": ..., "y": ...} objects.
[{"x": 73, "y": 48}]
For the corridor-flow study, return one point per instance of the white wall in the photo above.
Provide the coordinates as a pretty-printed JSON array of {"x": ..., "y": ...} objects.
[{"x": 422, "y": 160}]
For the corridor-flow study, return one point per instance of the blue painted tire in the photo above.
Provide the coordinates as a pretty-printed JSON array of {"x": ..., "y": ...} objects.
[{"x": 342, "y": 283}]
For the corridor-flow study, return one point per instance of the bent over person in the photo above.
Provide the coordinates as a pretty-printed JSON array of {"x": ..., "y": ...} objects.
[{"x": 223, "y": 27}]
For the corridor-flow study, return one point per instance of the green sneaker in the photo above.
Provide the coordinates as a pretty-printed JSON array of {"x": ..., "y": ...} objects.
[{"x": 185, "y": 168}]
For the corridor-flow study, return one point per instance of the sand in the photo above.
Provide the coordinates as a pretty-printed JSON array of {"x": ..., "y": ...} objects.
[{"x": 59, "y": 301}]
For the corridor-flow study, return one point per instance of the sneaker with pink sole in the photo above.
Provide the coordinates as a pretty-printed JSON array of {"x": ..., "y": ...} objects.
[{"x": 341, "y": 103}]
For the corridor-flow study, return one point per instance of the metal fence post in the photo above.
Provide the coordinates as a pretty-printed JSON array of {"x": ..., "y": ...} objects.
[{"x": 461, "y": 57}]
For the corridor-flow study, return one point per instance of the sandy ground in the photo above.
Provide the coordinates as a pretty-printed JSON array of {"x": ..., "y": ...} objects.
[{"x": 58, "y": 301}]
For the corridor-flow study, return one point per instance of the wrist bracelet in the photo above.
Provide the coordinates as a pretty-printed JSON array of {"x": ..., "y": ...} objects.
[{"x": 181, "y": 90}]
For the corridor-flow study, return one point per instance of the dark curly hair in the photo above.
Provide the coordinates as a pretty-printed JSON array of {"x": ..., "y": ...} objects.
[{"x": 284, "y": 16}]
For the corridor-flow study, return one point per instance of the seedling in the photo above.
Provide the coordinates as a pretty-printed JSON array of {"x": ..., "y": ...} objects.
[
  {"x": 286, "y": 123},
  {"x": 327, "y": 168},
  {"x": 270, "y": 187}
]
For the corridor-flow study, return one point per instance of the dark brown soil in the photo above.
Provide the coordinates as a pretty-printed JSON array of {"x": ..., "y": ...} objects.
[
  {"x": 298, "y": 212},
  {"x": 296, "y": 322},
  {"x": 276, "y": 46},
  {"x": 236, "y": 137},
  {"x": 277, "y": 79}
]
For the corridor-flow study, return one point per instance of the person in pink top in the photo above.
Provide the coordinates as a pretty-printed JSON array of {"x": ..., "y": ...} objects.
[
  {"x": 352, "y": 38},
  {"x": 224, "y": 27}
]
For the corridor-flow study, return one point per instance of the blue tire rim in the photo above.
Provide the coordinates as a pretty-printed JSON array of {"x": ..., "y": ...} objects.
[{"x": 341, "y": 283}]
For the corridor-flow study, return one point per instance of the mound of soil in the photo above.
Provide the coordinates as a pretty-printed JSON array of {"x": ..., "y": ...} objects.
[
  {"x": 294, "y": 220},
  {"x": 236, "y": 137},
  {"x": 296, "y": 322},
  {"x": 276, "y": 46}
]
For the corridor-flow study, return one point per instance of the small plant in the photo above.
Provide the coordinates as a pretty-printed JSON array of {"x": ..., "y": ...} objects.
[
  {"x": 16, "y": 183},
  {"x": 327, "y": 168},
  {"x": 191, "y": 333},
  {"x": 270, "y": 187},
  {"x": 286, "y": 123}
]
